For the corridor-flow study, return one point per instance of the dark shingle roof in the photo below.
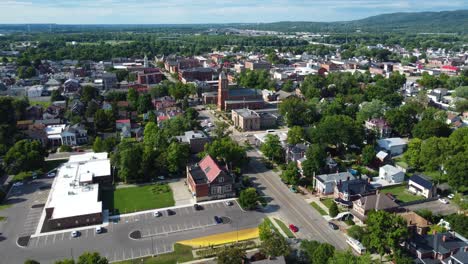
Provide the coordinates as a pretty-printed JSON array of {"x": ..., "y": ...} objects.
[{"x": 421, "y": 180}]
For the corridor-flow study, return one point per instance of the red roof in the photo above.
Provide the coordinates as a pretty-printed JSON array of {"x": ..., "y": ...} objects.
[
  {"x": 123, "y": 121},
  {"x": 450, "y": 68},
  {"x": 210, "y": 168}
]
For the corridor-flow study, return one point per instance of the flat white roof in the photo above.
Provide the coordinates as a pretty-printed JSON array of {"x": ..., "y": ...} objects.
[
  {"x": 71, "y": 195},
  {"x": 282, "y": 136},
  {"x": 391, "y": 169},
  {"x": 54, "y": 129}
]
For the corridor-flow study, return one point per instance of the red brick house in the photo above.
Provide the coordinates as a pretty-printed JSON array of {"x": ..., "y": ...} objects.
[{"x": 207, "y": 180}]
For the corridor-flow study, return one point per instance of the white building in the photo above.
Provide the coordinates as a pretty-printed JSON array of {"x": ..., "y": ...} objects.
[
  {"x": 395, "y": 146},
  {"x": 34, "y": 91},
  {"x": 419, "y": 185},
  {"x": 74, "y": 196},
  {"x": 391, "y": 174}
]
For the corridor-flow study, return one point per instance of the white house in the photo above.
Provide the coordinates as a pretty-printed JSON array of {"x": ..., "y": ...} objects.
[
  {"x": 395, "y": 146},
  {"x": 325, "y": 183},
  {"x": 34, "y": 91},
  {"x": 419, "y": 185},
  {"x": 391, "y": 174}
]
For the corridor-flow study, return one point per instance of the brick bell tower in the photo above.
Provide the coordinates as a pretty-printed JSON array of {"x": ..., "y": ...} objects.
[{"x": 223, "y": 90}]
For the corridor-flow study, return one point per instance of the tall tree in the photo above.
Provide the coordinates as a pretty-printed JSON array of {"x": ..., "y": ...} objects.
[
  {"x": 296, "y": 135},
  {"x": 272, "y": 148},
  {"x": 369, "y": 110},
  {"x": 291, "y": 174},
  {"x": 431, "y": 128},
  {"x": 249, "y": 198},
  {"x": 368, "y": 154},
  {"x": 92, "y": 258},
  {"x": 25, "y": 155},
  {"x": 293, "y": 109},
  {"x": 275, "y": 245},
  {"x": 338, "y": 130},
  {"x": 228, "y": 151},
  {"x": 144, "y": 103},
  {"x": 177, "y": 156},
  {"x": 316, "y": 160},
  {"x": 231, "y": 255}
]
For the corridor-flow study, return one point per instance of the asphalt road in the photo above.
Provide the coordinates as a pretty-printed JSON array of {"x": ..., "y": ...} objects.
[
  {"x": 290, "y": 206},
  {"x": 160, "y": 233}
]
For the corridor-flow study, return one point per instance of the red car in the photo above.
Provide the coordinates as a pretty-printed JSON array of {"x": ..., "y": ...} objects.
[{"x": 293, "y": 228}]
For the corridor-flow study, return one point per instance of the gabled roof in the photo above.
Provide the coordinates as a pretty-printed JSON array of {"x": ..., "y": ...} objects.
[
  {"x": 421, "y": 180},
  {"x": 210, "y": 168}
]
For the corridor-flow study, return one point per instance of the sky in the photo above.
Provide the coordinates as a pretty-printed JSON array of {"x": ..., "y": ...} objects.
[{"x": 207, "y": 11}]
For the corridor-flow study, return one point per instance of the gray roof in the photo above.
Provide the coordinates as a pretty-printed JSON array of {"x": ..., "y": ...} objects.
[
  {"x": 343, "y": 176},
  {"x": 421, "y": 180}
]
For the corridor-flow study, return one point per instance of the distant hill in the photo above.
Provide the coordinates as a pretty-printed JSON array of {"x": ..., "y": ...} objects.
[{"x": 417, "y": 22}]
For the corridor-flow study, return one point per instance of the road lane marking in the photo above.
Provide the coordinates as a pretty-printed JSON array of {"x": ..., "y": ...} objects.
[
  {"x": 53, "y": 241},
  {"x": 63, "y": 235}
]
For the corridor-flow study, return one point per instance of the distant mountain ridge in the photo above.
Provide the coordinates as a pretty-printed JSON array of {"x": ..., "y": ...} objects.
[{"x": 416, "y": 22}]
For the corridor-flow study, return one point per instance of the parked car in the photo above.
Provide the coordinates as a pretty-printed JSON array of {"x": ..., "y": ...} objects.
[
  {"x": 333, "y": 226},
  {"x": 443, "y": 200},
  {"x": 51, "y": 174},
  {"x": 157, "y": 214},
  {"x": 228, "y": 203},
  {"x": 293, "y": 189},
  {"x": 170, "y": 212},
  {"x": 197, "y": 207},
  {"x": 293, "y": 228},
  {"x": 217, "y": 219},
  {"x": 451, "y": 196},
  {"x": 98, "y": 230},
  {"x": 18, "y": 183},
  {"x": 161, "y": 177},
  {"x": 75, "y": 233}
]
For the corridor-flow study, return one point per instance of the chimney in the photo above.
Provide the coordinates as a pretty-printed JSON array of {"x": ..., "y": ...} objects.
[
  {"x": 347, "y": 178},
  {"x": 339, "y": 183}
]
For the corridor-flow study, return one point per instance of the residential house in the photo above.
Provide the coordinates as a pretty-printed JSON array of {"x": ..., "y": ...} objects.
[
  {"x": 195, "y": 139},
  {"x": 33, "y": 112},
  {"x": 296, "y": 152},
  {"x": 124, "y": 126},
  {"x": 391, "y": 174},
  {"x": 373, "y": 202},
  {"x": 207, "y": 180},
  {"x": 34, "y": 91},
  {"x": 394, "y": 146},
  {"x": 71, "y": 86},
  {"x": 438, "y": 248},
  {"x": 350, "y": 190},
  {"x": 74, "y": 135},
  {"x": 379, "y": 126},
  {"x": 420, "y": 185},
  {"x": 37, "y": 132},
  {"x": 325, "y": 184},
  {"x": 416, "y": 223}
]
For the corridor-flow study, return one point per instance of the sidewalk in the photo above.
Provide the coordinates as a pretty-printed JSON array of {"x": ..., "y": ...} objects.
[
  {"x": 319, "y": 203},
  {"x": 272, "y": 219}
]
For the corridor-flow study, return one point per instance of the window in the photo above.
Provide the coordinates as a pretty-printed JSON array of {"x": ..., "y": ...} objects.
[
  {"x": 207, "y": 169},
  {"x": 221, "y": 179},
  {"x": 220, "y": 189},
  {"x": 227, "y": 188}
]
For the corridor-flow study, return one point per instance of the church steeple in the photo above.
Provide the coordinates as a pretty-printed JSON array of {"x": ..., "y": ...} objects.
[
  {"x": 223, "y": 90},
  {"x": 145, "y": 63}
]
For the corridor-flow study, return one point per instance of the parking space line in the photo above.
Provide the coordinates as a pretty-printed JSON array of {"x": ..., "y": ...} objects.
[
  {"x": 37, "y": 242},
  {"x": 53, "y": 241},
  {"x": 115, "y": 255},
  {"x": 63, "y": 235},
  {"x": 131, "y": 250},
  {"x": 45, "y": 242},
  {"x": 186, "y": 209}
]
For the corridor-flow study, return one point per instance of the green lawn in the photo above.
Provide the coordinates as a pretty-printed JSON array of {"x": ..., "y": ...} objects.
[
  {"x": 2, "y": 218},
  {"x": 284, "y": 228},
  {"x": 44, "y": 104},
  {"x": 4, "y": 206},
  {"x": 181, "y": 254},
  {"x": 401, "y": 193},
  {"x": 328, "y": 202},
  {"x": 318, "y": 208},
  {"x": 133, "y": 199}
]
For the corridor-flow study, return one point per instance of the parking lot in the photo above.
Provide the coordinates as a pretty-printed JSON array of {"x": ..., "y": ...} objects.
[
  {"x": 436, "y": 207},
  {"x": 158, "y": 234}
]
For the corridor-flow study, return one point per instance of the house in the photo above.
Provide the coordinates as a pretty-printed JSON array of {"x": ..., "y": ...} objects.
[
  {"x": 195, "y": 139},
  {"x": 379, "y": 126},
  {"x": 296, "y": 152},
  {"x": 420, "y": 185},
  {"x": 261, "y": 137},
  {"x": 394, "y": 146},
  {"x": 37, "y": 132},
  {"x": 438, "y": 248},
  {"x": 416, "y": 223},
  {"x": 124, "y": 126},
  {"x": 74, "y": 135},
  {"x": 391, "y": 174},
  {"x": 33, "y": 112},
  {"x": 34, "y": 91},
  {"x": 325, "y": 183},
  {"x": 351, "y": 190},
  {"x": 207, "y": 180},
  {"x": 71, "y": 86},
  {"x": 373, "y": 202},
  {"x": 109, "y": 80}
]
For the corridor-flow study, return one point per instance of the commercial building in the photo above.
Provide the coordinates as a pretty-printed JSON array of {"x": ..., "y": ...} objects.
[
  {"x": 250, "y": 120},
  {"x": 149, "y": 76},
  {"x": 74, "y": 197},
  {"x": 257, "y": 65}
]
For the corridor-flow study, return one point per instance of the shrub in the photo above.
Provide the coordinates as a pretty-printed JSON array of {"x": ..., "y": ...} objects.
[
  {"x": 333, "y": 210},
  {"x": 22, "y": 176},
  {"x": 65, "y": 148}
]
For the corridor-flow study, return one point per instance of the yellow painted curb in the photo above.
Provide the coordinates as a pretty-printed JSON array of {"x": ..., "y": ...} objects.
[{"x": 220, "y": 239}]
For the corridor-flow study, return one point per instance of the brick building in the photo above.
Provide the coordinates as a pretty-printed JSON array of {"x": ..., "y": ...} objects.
[
  {"x": 257, "y": 65},
  {"x": 199, "y": 73},
  {"x": 149, "y": 76}
]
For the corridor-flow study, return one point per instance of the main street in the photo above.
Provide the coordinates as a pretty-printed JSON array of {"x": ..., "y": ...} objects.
[{"x": 289, "y": 206}]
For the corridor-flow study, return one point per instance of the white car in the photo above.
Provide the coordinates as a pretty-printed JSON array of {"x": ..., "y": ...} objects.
[
  {"x": 443, "y": 200},
  {"x": 161, "y": 177},
  {"x": 157, "y": 214},
  {"x": 451, "y": 196},
  {"x": 51, "y": 174},
  {"x": 98, "y": 230},
  {"x": 75, "y": 233},
  {"x": 17, "y": 184},
  {"x": 228, "y": 203}
]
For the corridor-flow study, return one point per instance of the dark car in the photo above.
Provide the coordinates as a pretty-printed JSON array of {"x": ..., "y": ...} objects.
[
  {"x": 170, "y": 212},
  {"x": 218, "y": 220},
  {"x": 197, "y": 207},
  {"x": 333, "y": 226}
]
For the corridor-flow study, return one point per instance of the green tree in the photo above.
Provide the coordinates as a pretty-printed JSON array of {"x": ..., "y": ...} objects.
[
  {"x": 144, "y": 103},
  {"x": 288, "y": 86},
  {"x": 385, "y": 231},
  {"x": 98, "y": 145},
  {"x": 296, "y": 135},
  {"x": 8, "y": 120},
  {"x": 25, "y": 155},
  {"x": 128, "y": 159},
  {"x": 249, "y": 198},
  {"x": 91, "y": 109},
  {"x": 434, "y": 153},
  {"x": 368, "y": 154},
  {"x": 356, "y": 232},
  {"x": 316, "y": 160},
  {"x": 293, "y": 109},
  {"x": 227, "y": 150},
  {"x": 221, "y": 129},
  {"x": 412, "y": 154},
  {"x": 369, "y": 110},
  {"x": 462, "y": 92},
  {"x": 177, "y": 156},
  {"x": 132, "y": 97},
  {"x": 316, "y": 252},
  {"x": 461, "y": 105},
  {"x": 92, "y": 258},
  {"x": 333, "y": 210},
  {"x": 231, "y": 255},
  {"x": 56, "y": 96},
  {"x": 291, "y": 174},
  {"x": 275, "y": 245},
  {"x": 88, "y": 93},
  {"x": 121, "y": 75},
  {"x": 402, "y": 119},
  {"x": 456, "y": 168},
  {"x": 264, "y": 230},
  {"x": 431, "y": 128},
  {"x": 31, "y": 261},
  {"x": 338, "y": 130},
  {"x": 459, "y": 223},
  {"x": 104, "y": 120},
  {"x": 272, "y": 148},
  {"x": 65, "y": 261}
]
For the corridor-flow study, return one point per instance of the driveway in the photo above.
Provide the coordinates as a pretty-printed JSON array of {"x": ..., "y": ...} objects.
[
  {"x": 436, "y": 207},
  {"x": 181, "y": 193}
]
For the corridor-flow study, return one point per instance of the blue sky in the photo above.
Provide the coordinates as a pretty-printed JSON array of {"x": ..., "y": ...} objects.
[{"x": 207, "y": 11}]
